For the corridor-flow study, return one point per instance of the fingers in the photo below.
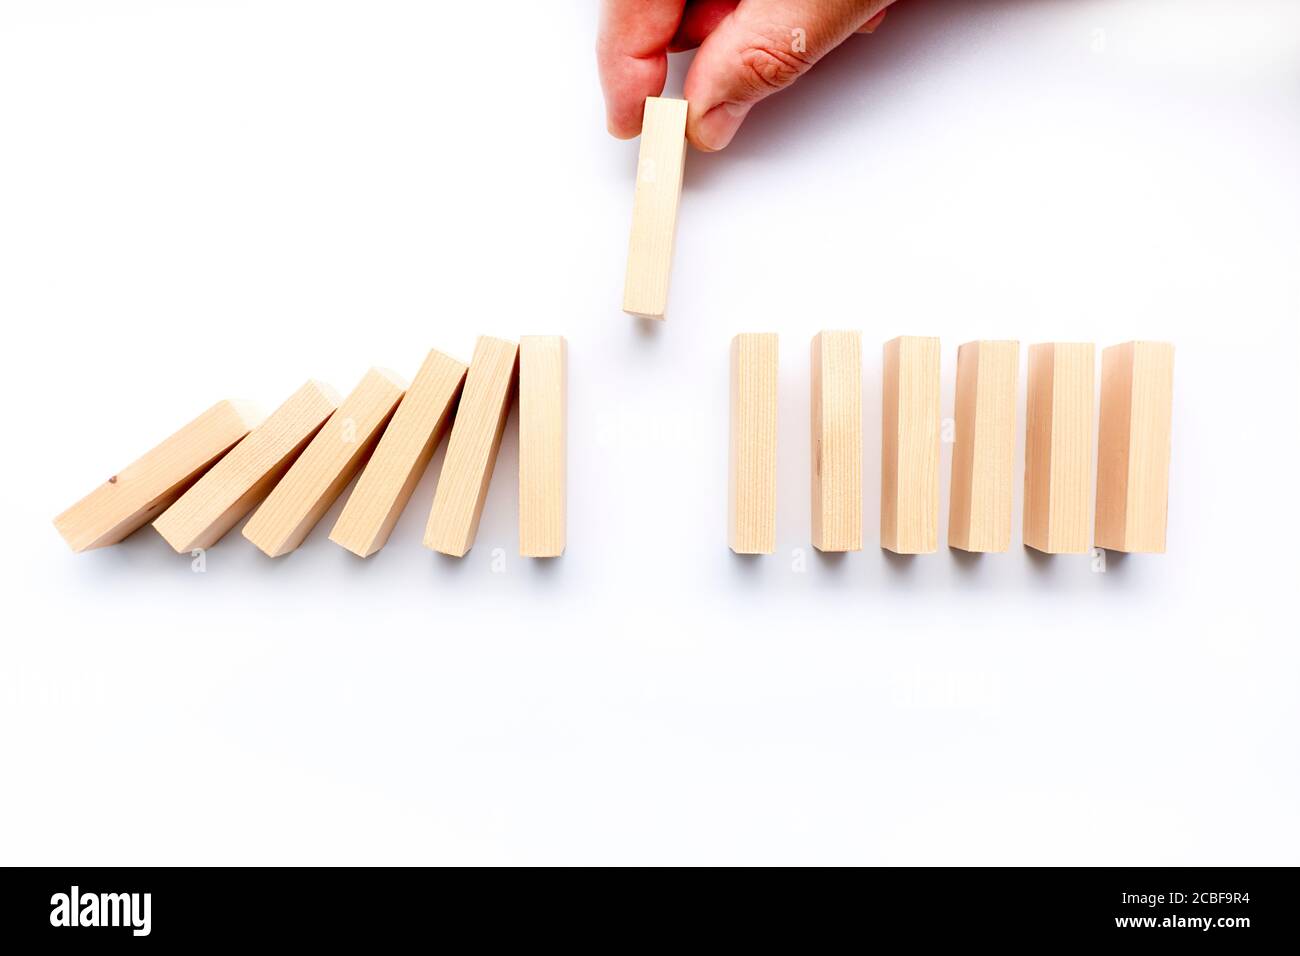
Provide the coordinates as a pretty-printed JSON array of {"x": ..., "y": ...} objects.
[
  {"x": 760, "y": 47},
  {"x": 632, "y": 56}
]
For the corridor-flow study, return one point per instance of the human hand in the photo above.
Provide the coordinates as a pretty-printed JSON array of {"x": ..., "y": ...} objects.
[{"x": 749, "y": 49}]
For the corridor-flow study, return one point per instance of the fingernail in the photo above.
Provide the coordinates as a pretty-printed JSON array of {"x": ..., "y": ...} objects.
[{"x": 718, "y": 126}]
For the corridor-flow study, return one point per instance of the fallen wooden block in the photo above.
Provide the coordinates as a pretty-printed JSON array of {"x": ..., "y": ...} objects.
[
  {"x": 241, "y": 479},
  {"x": 143, "y": 489},
  {"x": 1058, "y": 446},
  {"x": 400, "y": 458},
  {"x": 837, "y": 441},
  {"x": 472, "y": 448},
  {"x": 751, "y": 504},
  {"x": 326, "y": 466},
  {"x": 543, "y": 361},
  {"x": 909, "y": 453},
  {"x": 984, "y": 449},
  {"x": 654, "y": 210},
  {"x": 1137, "y": 400}
]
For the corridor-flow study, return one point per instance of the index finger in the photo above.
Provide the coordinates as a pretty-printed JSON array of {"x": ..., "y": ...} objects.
[{"x": 632, "y": 55}]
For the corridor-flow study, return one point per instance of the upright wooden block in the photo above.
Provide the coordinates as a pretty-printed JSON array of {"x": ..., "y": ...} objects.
[
  {"x": 400, "y": 458},
  {"x": 984, "y": 452},
  {"x": 472, "y": 448},
  {"x": 1137, "y": 401},
  {"x": 235, "y": 484},
  {"x": 543, "y": 398},
  {"x": 143, "y": 489},
  {"x": 324, "y": 469},
  {"x": 1058, "y": 446},
  {"x": 751, "y": 502},
  {"x": 654, "y": 211},
  {"x": 837, "y": 441},
  {"x": 909, "y": 450}
]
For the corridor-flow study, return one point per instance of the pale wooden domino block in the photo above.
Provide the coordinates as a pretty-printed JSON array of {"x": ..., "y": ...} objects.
[
  {"x": 472, "y": 448},
  {"x": 401, "y": 457},
  {"x": 145, "y": 488},
  {"x": 235, "y": 484},
  {"x": 1137, "y": 400},
  {"x": 1058, "y": 446},
  {"x": 984, "y": 452},
  {"x": 837, "y": 441},
  {"x": 909, "y": 451},
  {"x": 326, "y": 466},
  {"x": 543, "y": 361},
  {"x": 654, "y": 211},
  {"x": 751, "y": 505}
]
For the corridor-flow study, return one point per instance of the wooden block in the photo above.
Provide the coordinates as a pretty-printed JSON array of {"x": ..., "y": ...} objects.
[
  {"x": 751, "y": 504},
  {"x": 145, "y": 488},
  {"x": 235, "y": 484},
  {"x": 1058, "y": 446},
  {"x": 326, "y": 466},
  {"x": 837, "y": 441},
  {"x": 654, "y": 211},
  {"x": 543, "y": 367},
  {"x": 472, "y": 448},
  {"x": 1137, "y": 401},
  {"x": 984, "y": 452},
  {"x": 400, "y": 458},
  {"x": 909, "y": 451}
]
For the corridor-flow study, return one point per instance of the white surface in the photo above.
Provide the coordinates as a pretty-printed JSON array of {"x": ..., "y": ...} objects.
[{"x": 206, "y": 199}]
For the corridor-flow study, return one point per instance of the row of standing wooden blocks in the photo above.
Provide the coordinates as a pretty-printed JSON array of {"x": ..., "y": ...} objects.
[
  {"x": 1132, "y": 459},
  {"x": 294, "y": 464}
]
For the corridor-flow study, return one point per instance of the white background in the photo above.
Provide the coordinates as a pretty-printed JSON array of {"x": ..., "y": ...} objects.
[{"x": 211, "y": 199}]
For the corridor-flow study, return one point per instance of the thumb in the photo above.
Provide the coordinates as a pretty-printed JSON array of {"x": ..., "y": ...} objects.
[{"x": 760, "y": 47}]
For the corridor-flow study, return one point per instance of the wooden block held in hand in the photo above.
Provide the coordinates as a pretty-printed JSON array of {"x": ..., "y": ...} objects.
[
  {"x": 1058, "y": 446},
  {"x": 909, "y": 452},
  {"x": 654, "y": 211},
  {"x": 837, "y": 441},
  {"x": 472, "y": 448},
  {"x": 145, "y": 488},
  {"x": 400, "y": 458},
  {"x": 984, "y": 452},
  {"x": 234, "y": 485},
  {"x": 543, "y": 361},
  {"x": 751, "y": 503},
  {"x": 1137, "y": 401},
  {"x": 326, "y": 466}
]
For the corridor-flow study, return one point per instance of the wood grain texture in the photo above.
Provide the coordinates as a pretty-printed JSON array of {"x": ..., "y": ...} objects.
[
  {"x": 751, "y": 498},
  {"x": 145, "y": 488},
  {"x": 654, "y": 209},
  {"x": 909, "y": 452},
  {"x": 325, "y": 467},
  {"x": 234, "y": 485},
  {"x": 472, "y": 448},
  {"x": 1137, "y": 401},
  {"x": 401, "y": 456},
  {"x": 984, "y": 447},
  {"x": 543, "y": 411},
  {"x": 1058, "y": 446},
  {"x": 837, "y": 441}
]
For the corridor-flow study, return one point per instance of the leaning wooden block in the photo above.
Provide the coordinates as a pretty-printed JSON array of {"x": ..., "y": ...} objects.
[
  {"x": 751, "y": 504},
  {"x": 654, "y": 211},
  {"x": 1058, "y": 446},
  {"x": 542, "y": 399},
  {"x": 984, "y": 452},
  {"x": 400, "y": 458},
  {"x": 143, "y": 489},
  {"x": 472, "y": 448},
  {"x": 837, "y": 441},
  {"x": 235, "y": 484},
  {"x": 1137, "y": 400},
  {"x": 909, "y": 451},
  {"x": 324, "y": 469}
]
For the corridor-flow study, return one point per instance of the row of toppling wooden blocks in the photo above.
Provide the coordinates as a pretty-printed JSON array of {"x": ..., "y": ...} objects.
[
  {"x": 292, "y": 465},
  {"x": 1132, "y": 460}
]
